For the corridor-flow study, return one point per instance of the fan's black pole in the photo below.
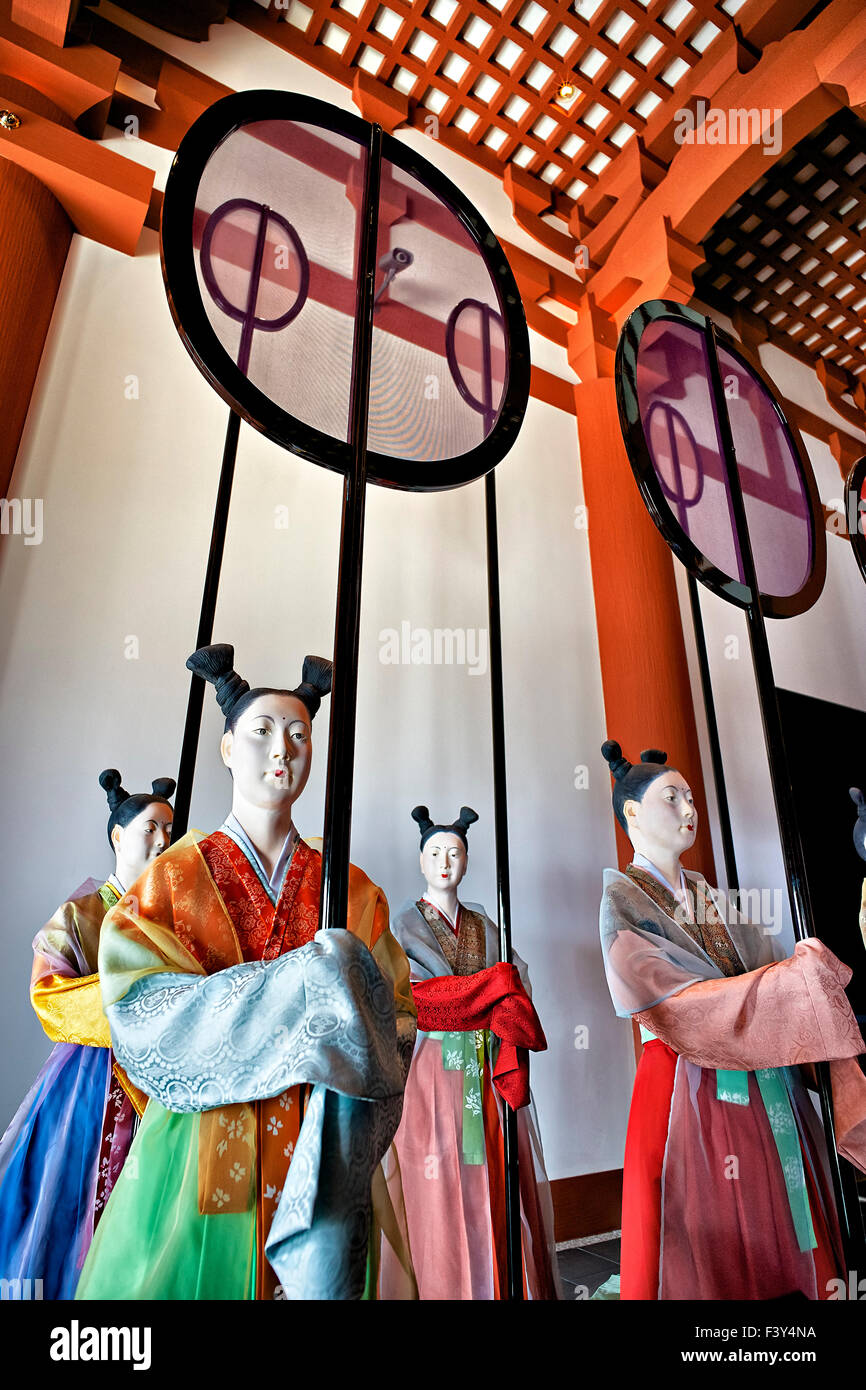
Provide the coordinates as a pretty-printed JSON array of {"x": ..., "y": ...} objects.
[
  {"x": 344, "y": 696},
  {"x": 792, "y": 846},
  {"x": 503, "y": 882},
  {"x": 706, "y": 683},
  {"x": 195, "y": 702},
  {"x": 731, "y": 875}
]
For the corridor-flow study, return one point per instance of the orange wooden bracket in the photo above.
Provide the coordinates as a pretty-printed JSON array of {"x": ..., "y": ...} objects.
[
  {"x": 537, "y": 280},
  {"x": 378, "y": 102},
  {"x": 838, "y": 383},
  {"x": 592, "y": 341},
  {"x": 530, "y": 199},
  {"x": 105, "y": 195},
  {"x": 605, "y": 211},
  {"x": 79, "y": 80},
  {"x": 47, "y": 18},
  {"x": 181, "y": 94},
  {"x": 845, "y": 449}
]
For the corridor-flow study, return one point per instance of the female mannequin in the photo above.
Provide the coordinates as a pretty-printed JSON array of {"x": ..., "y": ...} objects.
[
  {"x": 65, "y": 1147},
  {"x": 450, "y": 1142},
  {"x": 226, "y": 1006},
  {"x": 725, "y": 1188}
]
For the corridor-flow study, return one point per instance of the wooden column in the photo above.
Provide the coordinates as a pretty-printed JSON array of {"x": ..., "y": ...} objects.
[
  {"x": 645, "y": 678},
  {"x": 35, "y": 233}
]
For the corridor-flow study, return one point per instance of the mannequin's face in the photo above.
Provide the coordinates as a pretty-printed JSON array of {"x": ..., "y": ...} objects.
[
  {"x": 665, "y": 823},
  {"x": 136, "y": 845},
  {"x": 269, "y": 751},
  {"x": 443, "y": 861}
]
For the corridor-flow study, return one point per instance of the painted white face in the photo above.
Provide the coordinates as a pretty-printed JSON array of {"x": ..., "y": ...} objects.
[
  {"x": 144, "y": 839},
  {"x": 444, "y": 860},
  {"x": 666, "y": 820},
  {"x": 270, "y": 751}
]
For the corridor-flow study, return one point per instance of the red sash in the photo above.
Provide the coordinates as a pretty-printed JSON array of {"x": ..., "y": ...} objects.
[{"x": 493, "y": 998}]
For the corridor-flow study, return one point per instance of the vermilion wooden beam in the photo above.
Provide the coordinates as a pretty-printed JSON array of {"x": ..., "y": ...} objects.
[
  {"x": 80, "y": 80},
  {"x": 105, "y": 195},
  {"x": 34, "y": 239}
]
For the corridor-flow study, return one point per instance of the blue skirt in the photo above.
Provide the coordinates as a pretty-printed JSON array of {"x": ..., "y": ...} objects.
[{"x": 49, "y": 1158}]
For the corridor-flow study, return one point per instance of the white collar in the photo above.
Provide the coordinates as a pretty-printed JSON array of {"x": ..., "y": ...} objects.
[
  {"x": 443, "y": 913},
  {"x": 232, "y": 827}
]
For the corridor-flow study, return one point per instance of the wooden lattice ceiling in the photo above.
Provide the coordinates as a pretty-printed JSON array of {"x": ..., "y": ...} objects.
[
  {"x": 490, "y": 70},
  {"x": 792, "y": 250}
]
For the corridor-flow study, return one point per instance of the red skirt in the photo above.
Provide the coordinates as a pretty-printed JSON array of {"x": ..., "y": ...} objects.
[{"x": 646, "y": 1142}]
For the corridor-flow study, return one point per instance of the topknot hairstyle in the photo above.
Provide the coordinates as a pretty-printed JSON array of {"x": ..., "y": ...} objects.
[
  {"x": 458, "y": 827},
  {"x": 630, "y": 780},
  {"x": 125, "y": 807},
  {"x": 216, "y": 665}
]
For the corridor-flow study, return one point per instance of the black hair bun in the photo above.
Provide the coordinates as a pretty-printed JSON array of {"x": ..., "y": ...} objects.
[
  {"x": 213, "y": 662},
  {"x": 653, "y": 755},
  {"x": 164, "y": 787},
  {"x": 316, "y": 682},
  {"x": 467, "y": 817},
  {"x": 110, "y": 782},
  {"x": 612, "y": 754},
  {"x": 421, "y": 814},
  {"x": 216, "y": 664},
  {"x": 318, "y": 673}
]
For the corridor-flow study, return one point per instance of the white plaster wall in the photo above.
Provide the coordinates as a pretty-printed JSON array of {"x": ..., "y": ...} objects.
[{"x": 128, "y": 488}]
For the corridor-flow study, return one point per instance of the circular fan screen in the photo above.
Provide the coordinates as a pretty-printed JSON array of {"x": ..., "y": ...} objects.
[
  {"x": 671, "y": 419},
  {"x": 261, "y": 248}
]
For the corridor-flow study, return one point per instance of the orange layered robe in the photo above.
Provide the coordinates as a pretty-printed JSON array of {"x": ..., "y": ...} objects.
[{"x": 201, "y": 909}]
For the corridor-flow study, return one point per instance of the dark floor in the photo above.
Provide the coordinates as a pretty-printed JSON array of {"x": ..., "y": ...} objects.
[{"x": 584, "y": 1267}]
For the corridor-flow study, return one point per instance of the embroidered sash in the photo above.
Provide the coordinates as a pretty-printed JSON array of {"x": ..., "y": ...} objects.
[
  {"x": 706, "y": 927},
  {"x": 466, "y": 952}
]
